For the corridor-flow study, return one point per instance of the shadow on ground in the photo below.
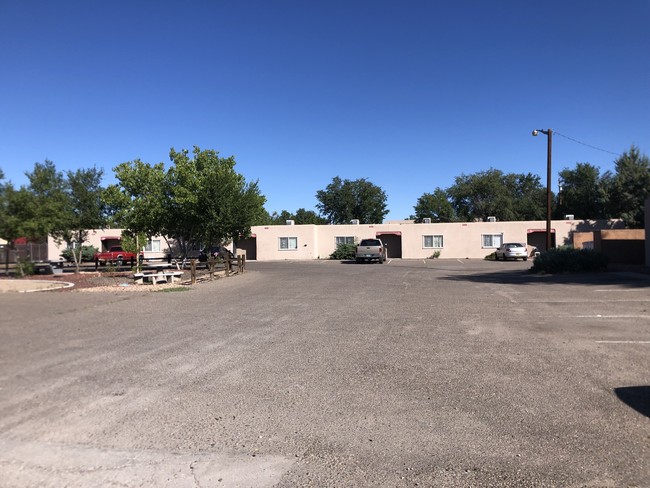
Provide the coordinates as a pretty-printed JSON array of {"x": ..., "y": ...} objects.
[
  {"x": 525, "y": 277},
  {"x": 637, "y": 397}
]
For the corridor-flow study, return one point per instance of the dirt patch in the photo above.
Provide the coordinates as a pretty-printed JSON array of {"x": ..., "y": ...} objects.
[{"x": 89, "y": 281}]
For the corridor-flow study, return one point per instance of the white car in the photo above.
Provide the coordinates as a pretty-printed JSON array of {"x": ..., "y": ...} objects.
[{"x": 511, "y": 250}]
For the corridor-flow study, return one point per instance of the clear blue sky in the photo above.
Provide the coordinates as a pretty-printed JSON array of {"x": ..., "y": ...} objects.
[{"x": 407, "y": 94}]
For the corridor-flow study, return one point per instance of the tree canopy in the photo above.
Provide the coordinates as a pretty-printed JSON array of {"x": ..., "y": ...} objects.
[
  {"x": 65, "y": 207},
  {"x": 46, "y": 208},
  {"x": 581, "y": 193},
  {"x": 435, "y": 206},
  {"x": 510, "y": 196},
  {"x": 344, "y": 200},
  {"x": 494, "y": 193},
  {"x": 628, "y": 188},
  {"x": 13, "y": 218},
  {"x": 83, "y": 209},
  {"x": 301, "y": 216},
  {"x": 199, "y": 199}
]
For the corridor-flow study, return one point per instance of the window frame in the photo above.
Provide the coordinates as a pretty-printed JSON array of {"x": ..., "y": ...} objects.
[
  {"x": 149, "y": 247},
  {"x": 346, "y": 240},
  {"x": 433, "y": 241},
  {"x": 492, "y": 236},
  {"x": 288, "y": 239}
]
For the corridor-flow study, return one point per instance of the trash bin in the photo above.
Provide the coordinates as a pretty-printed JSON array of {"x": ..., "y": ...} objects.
[{"x": 57, "y": 267}]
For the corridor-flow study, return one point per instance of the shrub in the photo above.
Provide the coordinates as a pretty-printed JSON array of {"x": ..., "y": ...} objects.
[
  {"x": 435, "y": 255},
  {"x": 25, "y": 267},
  {"x": 568, "y": 260},
  {"x": 87, "y": 253},
  {"x": 344, "y": 251}
]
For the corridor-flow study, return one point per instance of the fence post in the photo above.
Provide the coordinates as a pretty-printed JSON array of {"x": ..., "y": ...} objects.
[
  {"x": 211, "y": 262},
  {"x": 193, "y": 271}
]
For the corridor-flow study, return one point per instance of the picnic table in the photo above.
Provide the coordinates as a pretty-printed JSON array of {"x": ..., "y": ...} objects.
[{"x": 157, "y": 277}]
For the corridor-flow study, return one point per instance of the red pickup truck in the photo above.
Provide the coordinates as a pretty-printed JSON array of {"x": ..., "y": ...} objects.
[{"x": 114, "y": 255}]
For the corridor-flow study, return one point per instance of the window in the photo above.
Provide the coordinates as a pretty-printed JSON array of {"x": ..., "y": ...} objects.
[
  {"x": 288, "y": 243},
  {"x": 344, "y": 240},
  {"x": 152, "y": 246},
  {"x": 492, "y": 240},
  {"x": 432, "y": 241}
]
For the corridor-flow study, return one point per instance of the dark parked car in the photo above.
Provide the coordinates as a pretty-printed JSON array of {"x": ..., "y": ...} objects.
[
  {"x": 222, "y": 252},
  {"x": 204, "y": 253}
]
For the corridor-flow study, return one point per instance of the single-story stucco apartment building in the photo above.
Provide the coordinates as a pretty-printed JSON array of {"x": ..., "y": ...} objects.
[{"x": 403, "y": 239}]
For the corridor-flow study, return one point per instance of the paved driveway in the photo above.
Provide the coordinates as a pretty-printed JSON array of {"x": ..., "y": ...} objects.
[{"x": 445, "y": 373}]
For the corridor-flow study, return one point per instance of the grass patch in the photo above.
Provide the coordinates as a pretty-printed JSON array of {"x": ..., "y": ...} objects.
[{"x": 173, "y": 289}]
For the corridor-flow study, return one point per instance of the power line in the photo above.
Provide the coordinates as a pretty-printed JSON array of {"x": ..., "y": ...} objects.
[{"x": 585, "y": 144}]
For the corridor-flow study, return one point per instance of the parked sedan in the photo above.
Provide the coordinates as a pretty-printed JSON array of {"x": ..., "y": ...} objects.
[{"x": 511, "y": 250}]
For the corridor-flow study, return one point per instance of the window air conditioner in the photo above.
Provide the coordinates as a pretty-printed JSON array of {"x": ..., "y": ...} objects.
[
  {"x": 426, "y": 220},
  {"x": 492, "y": 219}
]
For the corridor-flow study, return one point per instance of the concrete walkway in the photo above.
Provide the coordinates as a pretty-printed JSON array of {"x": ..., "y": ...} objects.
[{"x": 27, "y": 286}]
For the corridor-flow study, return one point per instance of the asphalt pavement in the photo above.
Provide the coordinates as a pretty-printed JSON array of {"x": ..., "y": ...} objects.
[{"x": 445, "y": 373}]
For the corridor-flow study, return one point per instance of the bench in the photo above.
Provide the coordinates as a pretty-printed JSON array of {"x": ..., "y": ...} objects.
[{"x": 160, "y": 277}]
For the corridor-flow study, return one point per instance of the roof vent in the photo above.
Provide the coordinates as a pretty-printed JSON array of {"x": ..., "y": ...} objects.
[
  {"x": 354, "y": 221},
  {"x": 426, "y": 220},
  {"x": 291, "y": 222},
  {"x": 569, "y": 217},
  {"x": 491, "y": 219}
]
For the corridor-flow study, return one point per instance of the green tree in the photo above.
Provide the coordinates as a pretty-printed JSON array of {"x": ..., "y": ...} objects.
[
  {"x": 628, "y": 188},
  {"x": 493, "y": 193},
  {"x": 14, "y": 204},
  {"x": 84, "y": 210},
  {"x": 139, "y": 201},
  {"x": 344, "y": 200},
  {"x": 303, "y": 216},
  {"x": 63, "y": 207},
  {"x": 527, "y": 195},
  {"x": 199, "y": 199},
  {"x": 47, "y": 207},
  {"x": 581, "y": 193},
  {"x": 435, "y": 206},
  {"x": 263, "y": 218},
  {"x": 280, "y": 218}
]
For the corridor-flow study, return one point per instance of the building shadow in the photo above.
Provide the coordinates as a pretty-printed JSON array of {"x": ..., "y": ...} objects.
[
  {"x": 524, "y": 277},
  {"x": 636, "y": 397}
]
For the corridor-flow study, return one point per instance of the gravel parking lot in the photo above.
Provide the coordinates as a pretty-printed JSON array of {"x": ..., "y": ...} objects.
[{"x": 446, "y": 373}]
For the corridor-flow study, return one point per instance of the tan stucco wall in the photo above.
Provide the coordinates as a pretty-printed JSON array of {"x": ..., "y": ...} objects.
[
  {"x": 460, "y": 239},
  {"x": 625, "y": 246},
  {"x": 268, "y": 242},
  {"x": 583, "y": 240},
  {"x": 95, "y": 238},
  {"x": 54, "y": 249},
  {"x": 623, "y": 234}
]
